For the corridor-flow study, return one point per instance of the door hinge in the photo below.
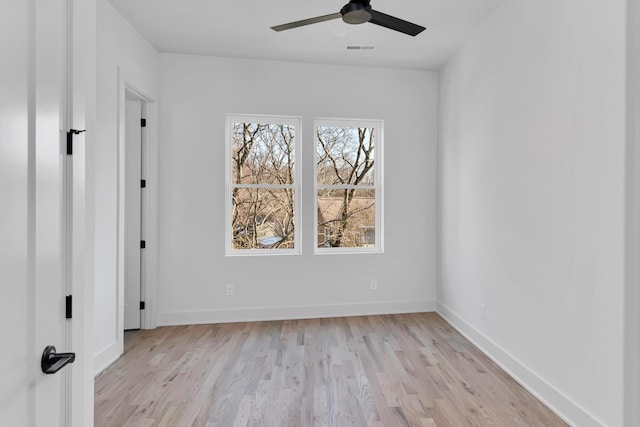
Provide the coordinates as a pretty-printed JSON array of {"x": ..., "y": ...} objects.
[
  {"x": 142, "y": 305},
  {"x": 143, "y": 183},
  {"x": 143, "y": 123},
  {"x": 143, "y": 244},
  {"x": 70, "y": 134},
  {"x": 68, "y": 307}
]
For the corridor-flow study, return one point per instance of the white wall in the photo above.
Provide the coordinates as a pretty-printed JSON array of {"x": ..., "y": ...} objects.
[
  {"x": 197, "y": 92},
  {"x": 532, "y": 199},
  {"x": 632, "y": 296},
  {"x": 120, "y": 50}
]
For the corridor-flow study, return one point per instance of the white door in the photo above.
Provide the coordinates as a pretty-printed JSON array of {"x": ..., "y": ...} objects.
[
  {"x": 132, "y": 226},
  {"x": 33, "y": 216}
]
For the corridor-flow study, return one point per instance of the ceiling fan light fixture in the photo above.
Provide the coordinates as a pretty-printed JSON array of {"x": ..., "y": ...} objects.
[{"x": 356, "y": 13}]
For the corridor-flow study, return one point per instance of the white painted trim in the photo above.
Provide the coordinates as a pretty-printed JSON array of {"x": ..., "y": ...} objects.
[
  {"x": 559, "y": 403},
  {"x": 105, "y": 357},
  {"x": 82, "y": 115},
  {"x": 257, "y": 314}
]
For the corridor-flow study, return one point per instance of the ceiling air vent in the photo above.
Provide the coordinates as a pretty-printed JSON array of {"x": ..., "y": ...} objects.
[{"x": 360, "y": 47}]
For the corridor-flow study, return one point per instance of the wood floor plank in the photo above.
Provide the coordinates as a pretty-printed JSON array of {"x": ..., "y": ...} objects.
[{"x": 376, "y": 371}]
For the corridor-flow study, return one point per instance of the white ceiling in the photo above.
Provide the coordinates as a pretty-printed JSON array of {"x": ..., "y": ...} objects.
[{"x": 241, "y": 28}]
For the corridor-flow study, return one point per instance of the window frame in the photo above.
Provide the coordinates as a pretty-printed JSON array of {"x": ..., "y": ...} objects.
[
  {"x": 378, "y": 169},
  {"x": 295, "y": 121}
]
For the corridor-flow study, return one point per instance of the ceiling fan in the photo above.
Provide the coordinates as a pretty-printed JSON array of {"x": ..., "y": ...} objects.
[{"x": 359, "y": 12}]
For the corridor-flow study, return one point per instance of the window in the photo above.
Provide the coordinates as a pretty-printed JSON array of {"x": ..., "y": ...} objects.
[
  {"x": 348, "y": 202},
  {"x": 262, "y": 204}
]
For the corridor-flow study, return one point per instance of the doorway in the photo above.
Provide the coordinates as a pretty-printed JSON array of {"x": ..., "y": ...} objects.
[
  {"x": 134, "y": 219},
  {"x": 136, "y": 223},
  {"x": 134, "y": 244}
]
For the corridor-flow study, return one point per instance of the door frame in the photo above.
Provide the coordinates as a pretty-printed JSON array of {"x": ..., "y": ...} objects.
[
  {"x": 148, "y": 258},
  {"x": 81, "y": 114}
]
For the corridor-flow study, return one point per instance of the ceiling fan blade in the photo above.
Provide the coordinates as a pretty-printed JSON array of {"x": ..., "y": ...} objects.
[
  {"x": 304, "y": 22},
  {"x": 394, "y": 23}
]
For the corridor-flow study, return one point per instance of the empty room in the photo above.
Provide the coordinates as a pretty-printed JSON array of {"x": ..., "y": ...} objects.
[{"x": 379, "y": 213}]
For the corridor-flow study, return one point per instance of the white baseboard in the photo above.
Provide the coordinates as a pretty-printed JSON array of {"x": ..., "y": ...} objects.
[
  {"x": 293, "y": 312},
  {"x": 105, "y": 357},
  {"x": 559, "y": 403}
]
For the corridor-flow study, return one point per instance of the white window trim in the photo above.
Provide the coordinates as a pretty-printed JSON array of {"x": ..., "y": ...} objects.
[
  {"x": 378, "y": 125},
  {"x": 258, "y": 118}
]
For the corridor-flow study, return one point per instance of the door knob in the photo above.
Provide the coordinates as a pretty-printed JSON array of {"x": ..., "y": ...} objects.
[{"x": 52, "y": 362}]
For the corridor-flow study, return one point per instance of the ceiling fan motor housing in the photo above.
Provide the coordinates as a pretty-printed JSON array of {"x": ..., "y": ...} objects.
[{"x": 356, "y": 12}]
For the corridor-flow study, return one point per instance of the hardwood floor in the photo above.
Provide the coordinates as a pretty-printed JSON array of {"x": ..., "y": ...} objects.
[{"x": 382, "y": 371}]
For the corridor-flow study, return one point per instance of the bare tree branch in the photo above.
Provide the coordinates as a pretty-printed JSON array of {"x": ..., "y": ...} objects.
[{"x": 345, "y": 158}]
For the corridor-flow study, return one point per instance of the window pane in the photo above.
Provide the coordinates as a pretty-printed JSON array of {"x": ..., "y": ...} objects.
[
  {"x": 263, "y": 153},
  {"x": 346, "y": 218},
  {"x": 345, "y": 155},
  {"x": 262, "y": 218}
]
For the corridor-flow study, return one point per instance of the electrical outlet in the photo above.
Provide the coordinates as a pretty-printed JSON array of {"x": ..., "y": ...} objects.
[
  {"x": 229, "y": 290},
  {"x": 483, "y": 311},
  {"x": 373, "y": 285}
]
